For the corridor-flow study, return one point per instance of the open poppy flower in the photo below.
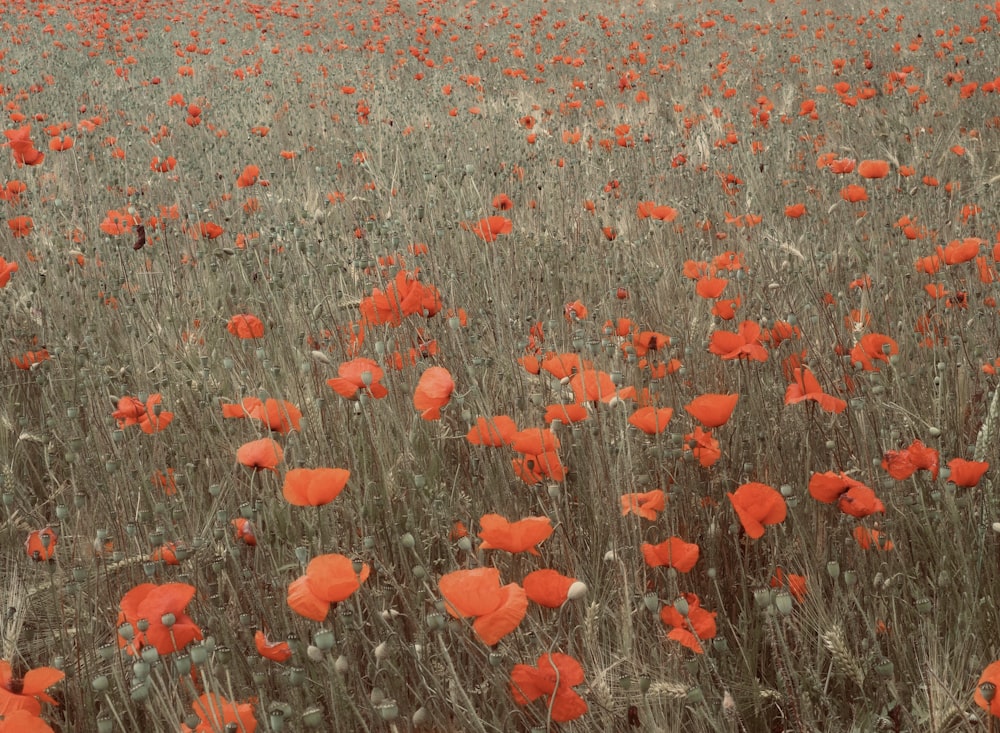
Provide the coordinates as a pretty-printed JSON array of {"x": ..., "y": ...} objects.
[
  {"x": 261, "y": 454},
  {"x": 162, "y": 608},
  {"x": 524, "y": 535},
  {"x": 492, "y": 431},
  {"x": 591, "y": 385},
  {"x": 552, "y": 678},
  {"x": 165, "y": 553},
  {"x": 873, "y": 347},
  {"x": 757, "y": 505},
  {"x": 534, "y": 441},
  {"x": 22, "y": 721},
  {"x": 433, "y": 392},
  {"x": 550, "y": 588},
  {"x": 489, "y": 228},
  {"x": 651, "y": 420},
  {"x": 744, "y": 344},
  {"x": 966, "y": 474},
  {"x": 245, "y": 326},
  {"x": 806, "y": 387},
  {"x": 652, "y": 210},
  {"x": 532, "y": 468},
  {"x": 703, "y": 446},
  {"x": 328, "y": 579},
  {"x": 29, "y": 358},
  {"x": 901, "y": 464},
  {"x": 357, "y": 376},
  {"x": 217, "y": 714},
  {"x": 41, "y": 544},
  {"x": 477, "y": 594},
  {"x": 672, "y": 553},
  {"x": 564, "y": 365},
  {"x": 248, "y": 176},
  {"x": 314, "y": 486},
  {"x": 646, "y": 505},
  {"x": 245, "y": 531},
  {"x": 796, "y": 584},
  {"x": 279, "y": 415},
  {"x": 276, "y": 651},
  {"x": 20, "y": 226},
  {"x": 147, "y": 415},
  {"x": 986, "y": 690},
  {"x": 702, "y": 621},
  {"x": 25, "y": 694},
  {"x": 566, "y": 414},
  {"x": 852, "y": 497},
  {"x": 712, "y": 410},
  {"x": 873, "y": 168},
  {"x": 872, "y": 538}
]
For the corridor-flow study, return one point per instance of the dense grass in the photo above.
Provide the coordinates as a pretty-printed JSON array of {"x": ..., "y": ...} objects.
[{"x": 883, "y": 640}]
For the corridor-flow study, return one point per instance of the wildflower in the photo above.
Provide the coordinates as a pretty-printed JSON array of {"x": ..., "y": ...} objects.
[
  {"x": 261, "y": 454},
  {"x": 646, "y": 505},
  {"x": 673, "y": 553},
  {"x": 497, "y": 533},
  {"x": 217, "y": 713},
  {"x": 651, "y": 420},
  {"x": 279, "y": 415},
  {"x": 328, "y": 579},
  {"x": 245, "y": 326},
  {"x": 758, "y": 505},
  {"x": 357, "y": 376},
  {"x": 548, "y": 588},
  {"x": 697, "y": 618},
  {"x": 852, "y": 496},
  {"x": 314, "y": 486},
  {"x": 41, "y": 544},
  {"x": 712, "y": 410},
  {"x": 552, "y": 679},
  {"x": 477, "y": 594},
  {"x": 161, "y": 608},
  {"x": 24, "y": 694},
  {"x": 433, "y": 392},
  {"x": 744, "y": 344},
  {"x": 806, "y": 387},
  {"x": 492, "y": 431},
  {"x": 276, "y": 651},
  {"x": 966, "y": 474}
]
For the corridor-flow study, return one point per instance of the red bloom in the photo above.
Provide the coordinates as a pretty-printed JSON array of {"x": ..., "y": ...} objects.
[
  {"x": 646, "y": 505},
  {"x": 24, "y": 694},
  {"x": 757, "y": 505},
  {"x": 712, "y": 410},
  {"x": 549, "y": 588},
  {"x": 490, "y": 228},
  {"x": 552, "y": 679},
  {"x": 806, "y": 387},
  {"x": 148, "y": 416},
  {"x": 744, "y": 344},
  {"x": 261, "y": 454},
  {"x": 41, "y": 544},
  {"x": 478, "y": 594},
  {"x": 217, "y": 713},
  {"x": 852, "y": 497},
  {"x": 492, "y": 431},
  {"x": 966, "y": 474},
  {"x": 524, "y": 535},
  {"x": 276, "y": 651},
  {"x": 901, "y": 464},
  {"x": 433, "y": 392},
  {"x": 314, "y": 486},
  {"x": 672, "y": 553},
  {"x": 245, "y": 326},
  {"x": 162, "y": 609},
  {"x": 651, "y": 420},
  {"x": 697, "y": 618},
  {"x": 360, "y": 375},
  {"x": 279, "y": 415},
  {"x": 328, "y": 579}
]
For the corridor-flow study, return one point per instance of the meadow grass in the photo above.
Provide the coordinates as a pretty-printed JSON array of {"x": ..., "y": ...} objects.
[{"x": 883, "y": 639}]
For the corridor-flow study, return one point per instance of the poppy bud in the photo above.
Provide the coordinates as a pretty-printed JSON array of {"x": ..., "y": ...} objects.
[
  {"x": 576, "y": 591},
  {"x": 681, "y": 604},
  {"x": 833, "y": 569},
  {"x": 342, "y": 666},
  {"x": 312, "y": 718},
  {"x": 100, "y": 683},
  {"x": 324, "y": 639},
  {"x": 420, "y": 716},
  {"x": 850, "y": 578}
]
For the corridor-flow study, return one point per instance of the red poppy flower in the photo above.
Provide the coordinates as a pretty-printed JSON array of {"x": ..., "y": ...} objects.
[
  {"x": 712, "y": 410},
  {"x": 534, "y": 441},
  {"x": 357, "y": 376},
  {"x": 550, "y": 588},
  {"x": 217, "y": 713},
  {"x": 650, "y": 209},
  {"x": 646, "y": 505},
  {"x": 564, "y": 365},
  {"x": 758, "y": 505},
  {"x": 167, "y": 553},
  {"x": 651, "y": 420},
  {"x": 744, "y": 344},
  {"x": 502, "y": 202},
  {"x": 904, "y": 463},
  {"x": 869, "y": 538},
  {"x": 489, "y": 228},
  {"x": 552, "y": 679},
  {"x": 29, "y": 358},
  {"x": 261, "y": 454},
  {"x": 314, "y": 486},
  {"x": 492, "y": 431},
  {"x": 328, "y": 579},
  {"x": 591, "y": 385},
  {"x": 162, "y": 608},
  {"x": 696, "y": 617},
  {"x": 575, "y": 311},
  {"x": 873, "y": 347},
  {"x": 41, "y": 544},
  {"x": 24, "y": 694},
  {"x": 806, "y": 387},
  {"x": 248, "y": 177},
  {"x": 532, "y": 468},
  {"x": 989, "y": 683},
  {"x": 672, "y": 553},
  {"x": 245, "y": 326},
  {"x": 966, "y": 474},
  {"x": 148, "y": 416},
  {"x": 703, "y": 446},
  {"x": 852, "y": 497},
  {"x": 433, "y": 392},
  {"x": 796, "y": 584},
  {"x": 566, "y": 414},
  {"x": 524, "y": 535},
  {"x": 478, "y": 594},
  {"x": 22, "y": 721},
  {"x": 794, "y": 211},
  {"x": 21, "y": 226},
  {"x": 279, "y": 415},
  {"x": 276, "y": 651},
  {"x": 854, "y": 193},
  {"x": 245, "y": 531}
]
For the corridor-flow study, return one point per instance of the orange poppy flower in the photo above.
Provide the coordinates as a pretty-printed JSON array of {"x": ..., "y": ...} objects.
[
  {"x": 646, "y": 341},
  {"x": 904, "y": 463},
  {"x": 672, "y": 553},
  {"x": 757, "y": 505},
  {"x": 357, "y": 376},
  {"x": 566, "y": 414},
  {"x": 873, "y": 168},
  {"x": 41, "y": 544},
  {"x": 245, "y": 326},
  {"x": 550, "y": 588},
  {"x": 6, "y": 269},
  {"x": 806, "y": 387},
  {"x": 477, "y": 594},
  {"x": 852, "y": 496},
  {"x": 796, "y": 584},
  {"x": 118, "y": 222},
  {"x": 492, "y": 431},
  {"x": 575, "y": 311},
  {"x": 534, "y": 441},
  {"x": 248, "y": 177},
  {"x": 697, "y": 618},
  {"x": 162, "y": 610},
  {"x": 703, "y": 446},
  {"x": 524, "y": 535},
  {"x": 591, "y": 385},
  {"x": 29, "y": 358},
  {"x": 854, "y": 193},
  {"x": 502, "y": 202},
  {"x": 744, "y": 344},
  {"x": 710, "y": 287},
  {"x": 532, "y": 468},
  {"x": 245, "y": 531},
  {"x": 650, "y": 209},
  {"x": 873, "y": 347},
  {"x": 148, "y": 416},
  {"x": 217, "y": 713},
  {"x": 22, "y": 721},
  {"x": 261, "y": 454},
  {"x": 966, "y": 474},
  {"x": 552, "y": 679},
  {"x": 869, "y": 538},
  {"x": 21, "y": 226},
  {"x": 167, "y": 553},
  {"x": 489, "y": 228},
  {"x": 314, "y": 486},
  {"x": 328, "y": 579},
  {"x": 433, "y": 392},
  {"x": 564, "y": 365},
  {"x": 24, "y": 694},
  {"x": 794, "y": 211},
  {"x": 986, "y": 690},
  {"x": 651, "y": 420},
  {"x": 279, "y": 415},
  {"x": 958, "y": 251},
  {"x": 712, "y": 410},
  {"x": 276, "y": 651},
  {"x": 646, "y": 505}
]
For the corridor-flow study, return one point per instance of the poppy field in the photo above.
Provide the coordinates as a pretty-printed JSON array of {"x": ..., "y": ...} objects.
[{"x": 381, "y": 366}]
